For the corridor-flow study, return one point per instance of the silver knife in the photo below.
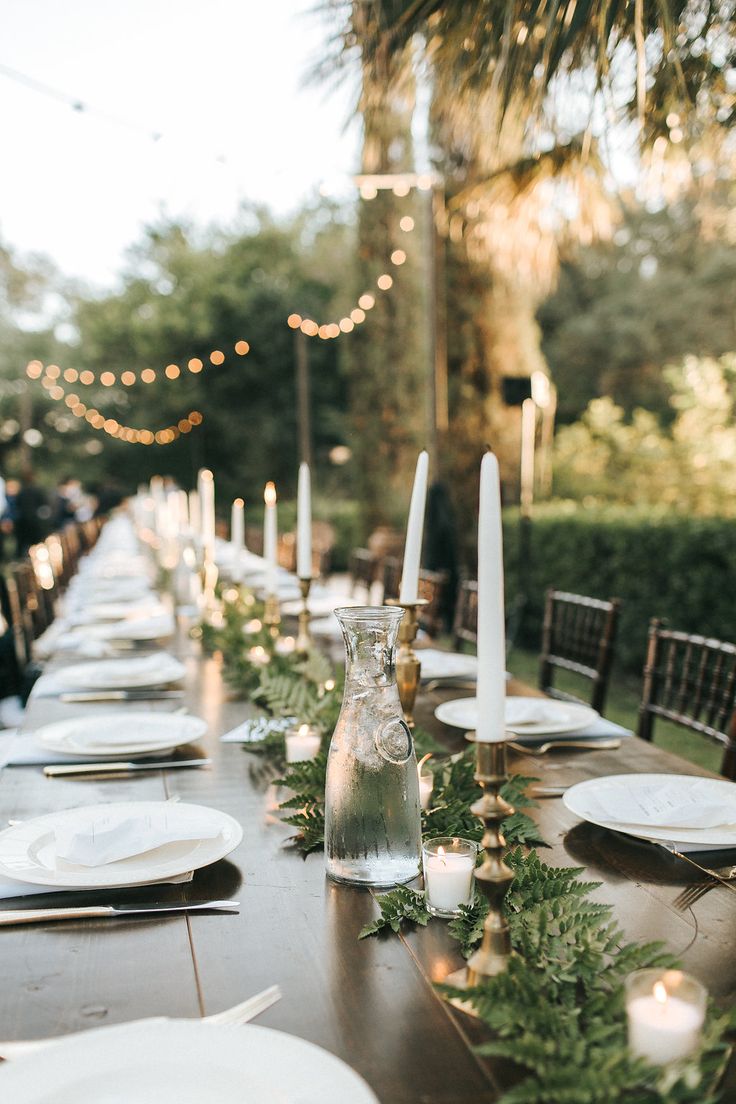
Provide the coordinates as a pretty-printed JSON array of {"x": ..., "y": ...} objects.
[
  {"x": 119, "y": 695},
  {"x": 38, "y": 915},
  {"x": 54, "y": 770}
]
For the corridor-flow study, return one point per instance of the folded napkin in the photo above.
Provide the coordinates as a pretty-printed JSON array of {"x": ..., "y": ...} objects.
[
  {"x": 523, "y": 711},
  {"x": 109, "y": 836},
  {"x": 672, "y": 805},
  {"x": 256, "y": 729}
]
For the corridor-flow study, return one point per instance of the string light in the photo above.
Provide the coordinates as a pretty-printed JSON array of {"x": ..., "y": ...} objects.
[
  {"x": 111, "y": 426},
  {"x": 52, "y": 372}
]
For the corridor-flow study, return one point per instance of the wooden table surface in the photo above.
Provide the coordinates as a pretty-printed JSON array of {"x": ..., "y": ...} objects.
[{"x": 371, "y": 1002}]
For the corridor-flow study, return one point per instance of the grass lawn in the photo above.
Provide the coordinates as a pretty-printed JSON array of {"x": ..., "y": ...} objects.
[{"x": 622, "y": 706}]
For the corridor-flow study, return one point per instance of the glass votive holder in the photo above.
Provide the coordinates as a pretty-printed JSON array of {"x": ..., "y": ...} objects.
[
  {"x": 302, "y": 743},
  {"x": 448, "y": 863},
  {"x": 665, "y": 1010}
]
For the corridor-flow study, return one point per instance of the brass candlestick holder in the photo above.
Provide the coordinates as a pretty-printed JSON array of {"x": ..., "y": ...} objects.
[
  {"x": 408, "y": 665},
  {"x": 272, "y": 614},
  {"x": 493, "y": 877},
  {"x": 304, "y": 637}
]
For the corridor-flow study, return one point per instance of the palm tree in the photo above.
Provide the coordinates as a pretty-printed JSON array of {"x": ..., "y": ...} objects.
[{"x": 523, "y": 98}]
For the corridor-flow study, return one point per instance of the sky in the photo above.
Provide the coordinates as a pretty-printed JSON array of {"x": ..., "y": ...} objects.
[{"x": 215, "y": 78}]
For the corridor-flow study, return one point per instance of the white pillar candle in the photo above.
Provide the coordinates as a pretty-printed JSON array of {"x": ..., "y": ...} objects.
[
  {"x": 304, "y": 524},
  {"x": 302, "y": 743},
  {"x": 237, "y": 537},
  {"x": 664, "y": 1026},
  {"x": 183, "y": 501},
  {"x": 426, "y": 785},
  {"x": 491, "y": 692},
  {"x": 415, "y": 526},
  {"x": 448, "y": 880},
  {"x": 195, "y": 514},
  {"x": 270, "y": 537},
  {"x": 207, "y": 506}
]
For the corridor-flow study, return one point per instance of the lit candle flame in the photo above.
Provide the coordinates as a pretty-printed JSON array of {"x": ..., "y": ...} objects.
[
  {"x": 206, "y": 475},
  {"x": 303, "y": 730},
  {"x": 330, "y": 684},
  {"x": 660, "y": 993},
  {"x": 239, "y": 503},
  {"x": 269, "y": 494}
]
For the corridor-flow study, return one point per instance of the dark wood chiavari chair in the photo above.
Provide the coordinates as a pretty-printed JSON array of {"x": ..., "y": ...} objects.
[
  {"x": 578, "y": 636},
  {"x": 47, "y": 589},
  {"x": 363, "y": 569},
  {"x": 17, "y": 658},
  {"x": 431, "y": 588},
  {"x": 690, "y": 680},
  {"x": 465, "y": 625}
]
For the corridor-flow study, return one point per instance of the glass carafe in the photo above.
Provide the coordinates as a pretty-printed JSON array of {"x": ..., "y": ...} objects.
[{"x": 372, "y": 812}]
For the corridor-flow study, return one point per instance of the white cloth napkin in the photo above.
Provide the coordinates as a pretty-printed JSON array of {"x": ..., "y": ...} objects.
[
  {"x": 106, "y": 837},
  {"x": 256, "y": 729},
  {"x": 672, "y": 805},
  {"x": 522, "y": 711}
]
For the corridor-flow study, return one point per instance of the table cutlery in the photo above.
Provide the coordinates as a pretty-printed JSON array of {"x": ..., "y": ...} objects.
[
  {"x": 541, "y": 749},
  {"x": 41, "y": 915},
  {"x": 239, "y": 1014},
  {"x": 119, "y": 695},
  {"x": 57, "y": 771},
  {"x": 723, "y": 875},
  {"x": 548, "y": 791}
]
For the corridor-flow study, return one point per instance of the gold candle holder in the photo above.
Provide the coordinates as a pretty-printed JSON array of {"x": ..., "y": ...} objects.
[
  {"x": 304, "y": 638},
  {"x": 493, "y": 877},
  {"x": 408, "y": 665},
  {"x": 272, "y": 614}
]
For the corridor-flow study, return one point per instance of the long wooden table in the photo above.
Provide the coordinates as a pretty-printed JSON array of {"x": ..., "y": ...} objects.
[{"x": 372, "y": 1002}]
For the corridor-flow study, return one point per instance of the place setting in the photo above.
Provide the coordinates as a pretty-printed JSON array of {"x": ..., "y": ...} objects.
[
  {"x": 538, "y": 725},
  {"x": 131, "y": 678}
]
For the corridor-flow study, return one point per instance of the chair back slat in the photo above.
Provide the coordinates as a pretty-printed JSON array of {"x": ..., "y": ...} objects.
[
  {"x": 465, "y": 627},
  {"x": 431, "y": 588},
  {"x": 578, "y": 636},
  {"x": 690, "y": 680},
  {"x": 363, "y": 568}
]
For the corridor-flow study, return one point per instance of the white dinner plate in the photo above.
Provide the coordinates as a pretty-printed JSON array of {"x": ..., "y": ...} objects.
[
  {"x": 182, "y": 1062},
  {"x": 139, "y": 628},
  {"x": 582, "y": 800},
  {"x": 116, "y": 611},
  {"x": 116, "y": 735},
  {"x": 120, "y": 674},
  {"x": 28, "y": 849},
  {"x": 463, "y": 713}
]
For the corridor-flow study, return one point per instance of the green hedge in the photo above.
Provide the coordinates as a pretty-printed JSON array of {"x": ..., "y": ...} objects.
[{"x": 679, "y": 568}]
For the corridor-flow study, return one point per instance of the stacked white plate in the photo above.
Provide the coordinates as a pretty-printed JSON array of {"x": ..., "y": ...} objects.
[
  {"x": 529, "y": 718},
  {"x": 163, "y": 840},
  {"x": 685, "y": 811},
  {"x": 138, "y": 672},
  {"x": 182, "y": 1062},
  {"x": 119, "y": 735}
]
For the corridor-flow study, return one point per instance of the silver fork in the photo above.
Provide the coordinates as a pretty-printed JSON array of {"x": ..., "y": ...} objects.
[
  {"x": 540, "y": 749},
  {"x": 239, "y": 1014},
  {"x": 691, "y": 894}
]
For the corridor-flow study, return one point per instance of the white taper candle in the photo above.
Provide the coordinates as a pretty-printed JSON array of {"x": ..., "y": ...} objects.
[
  {"x": 270, "y": 537},
  {"x": 304, "y": 524},
  {"x": 415, "y": 526},
  {"x": 491, "y": 692},
  {"x": 237, "y": 537}
]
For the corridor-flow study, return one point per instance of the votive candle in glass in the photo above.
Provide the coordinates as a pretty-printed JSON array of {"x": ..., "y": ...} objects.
[
  {"x": 426, "y": 785},
  {"x": 448, "y": 863},
  {"x": 302, "y": 743},
  {"x": 665, "y": 1011}
]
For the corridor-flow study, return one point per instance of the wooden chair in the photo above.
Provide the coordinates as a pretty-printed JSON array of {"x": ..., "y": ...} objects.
[
  {"x": 363, "y": 568},
  {"x": 465, "y": 625},
  {"x": 691, "y": 681},
  {"x": 391, "y": 574},
  {"x": 432, "y": 586},
  {"x": 578, "y": 636}
]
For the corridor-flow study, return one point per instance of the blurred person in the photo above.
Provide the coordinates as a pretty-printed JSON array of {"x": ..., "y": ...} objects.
[
  {"x": 32, "y": 513},
  {"x": 64, "y": 506}
]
